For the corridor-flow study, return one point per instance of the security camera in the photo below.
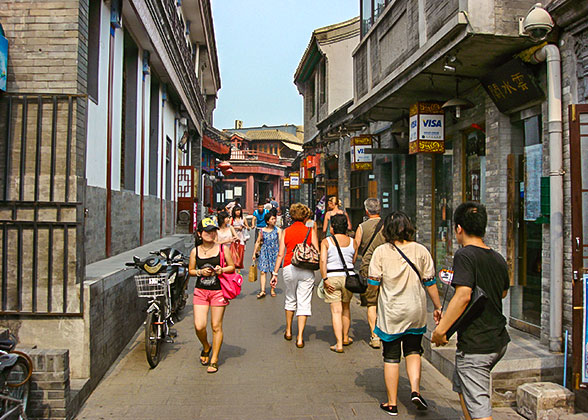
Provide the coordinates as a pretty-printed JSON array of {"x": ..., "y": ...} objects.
[{"x": 538, "y": 23}]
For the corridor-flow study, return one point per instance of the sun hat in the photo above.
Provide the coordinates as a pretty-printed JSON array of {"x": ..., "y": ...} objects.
[{"x": 207, "y": 224}]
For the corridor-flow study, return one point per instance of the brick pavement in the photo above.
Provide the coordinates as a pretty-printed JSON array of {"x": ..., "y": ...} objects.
[{"x": 262, "y": 376}]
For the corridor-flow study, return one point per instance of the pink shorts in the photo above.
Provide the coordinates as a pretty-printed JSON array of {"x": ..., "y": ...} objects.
[{"x": 209, "y": 297}]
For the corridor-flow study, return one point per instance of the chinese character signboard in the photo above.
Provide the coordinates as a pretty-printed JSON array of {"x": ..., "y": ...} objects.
[
  {"x": 286, "y": 182},
  {"x": 427, "y": 128},
  {"x": 294, "y": 180},
  {"x": 512, "y": 86},
  {"x": 361, "y": 156},
  {"x": 3, "y": 62}
]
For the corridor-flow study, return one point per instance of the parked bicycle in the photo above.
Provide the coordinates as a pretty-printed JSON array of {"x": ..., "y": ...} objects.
[
  {"x": 163, "y": 281},
  {"x": 16, "y": 369}
]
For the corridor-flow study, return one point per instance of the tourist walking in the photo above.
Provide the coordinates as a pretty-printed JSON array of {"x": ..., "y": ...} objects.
[
  {"x": 240, "y": 224},
  {"x": 337, "y": 250},
  {"x": 226, "y": 232},
  {"x": 364, "y": 237},
  {"x": 334, "y": 206},
  {"x": 400, "y": 268},
  {"x": 205, "y": 266},
  {"x": 267, "y": 246},
  {"x": 298, "y": 282},
  {"x": 258, "y": 218},
  {"x": 481, "y": 341}
]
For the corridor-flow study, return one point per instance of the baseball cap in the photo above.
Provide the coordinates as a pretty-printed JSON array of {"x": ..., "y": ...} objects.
[{"x": 207, "y": 224}]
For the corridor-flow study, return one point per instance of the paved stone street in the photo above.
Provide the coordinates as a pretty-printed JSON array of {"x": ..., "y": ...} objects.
[{"x": 262, "y": 376}]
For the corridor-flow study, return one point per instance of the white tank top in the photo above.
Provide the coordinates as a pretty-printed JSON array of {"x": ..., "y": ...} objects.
[{"x": 334, "y": 265}]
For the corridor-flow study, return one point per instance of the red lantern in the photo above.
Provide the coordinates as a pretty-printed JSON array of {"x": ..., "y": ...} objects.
[
  {"x": 224, "y": 165},
  {"x": 228, "y": 171}
]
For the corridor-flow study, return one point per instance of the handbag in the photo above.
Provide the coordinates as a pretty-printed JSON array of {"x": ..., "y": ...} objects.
[
  {"x": 230, "y": 282},
  {"x": 305, "y": 255},
  {"x": 353, "y": 282},
  {"x": 472, "y": 311},
  {"x": 237, "y": 251},
  {"x": 252, "y": 277}
]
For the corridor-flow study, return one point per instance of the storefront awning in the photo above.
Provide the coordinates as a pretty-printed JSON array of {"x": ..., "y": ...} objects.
[{"x": 292, "y": 146}]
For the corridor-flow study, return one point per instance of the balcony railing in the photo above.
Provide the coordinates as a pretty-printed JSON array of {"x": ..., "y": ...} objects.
[{"x": 252, "y": 155}]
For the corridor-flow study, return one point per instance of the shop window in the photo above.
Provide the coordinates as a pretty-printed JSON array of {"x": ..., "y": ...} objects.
[
  {"x": 526, "y": 293},
  {"x": 475, "y": 166}
]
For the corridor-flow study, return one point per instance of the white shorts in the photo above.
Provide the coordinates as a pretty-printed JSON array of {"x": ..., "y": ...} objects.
[{"x": 299, "y": 284}]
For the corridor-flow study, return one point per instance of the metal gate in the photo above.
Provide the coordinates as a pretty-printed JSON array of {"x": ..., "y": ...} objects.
[{"x": 40, "y": 214}]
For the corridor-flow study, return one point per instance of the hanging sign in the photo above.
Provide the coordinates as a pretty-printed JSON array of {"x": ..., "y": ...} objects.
[
  {"x": 427, "y": 128},
  {"x": 294, "y": 180},
  {"x": 286, "y": 182},
  {"x": 361, "y": 153},
  {"x": 512, "y": 86}
]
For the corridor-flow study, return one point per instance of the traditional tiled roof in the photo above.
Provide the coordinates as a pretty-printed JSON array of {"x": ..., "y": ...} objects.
[{"x": 272, "y": 135}]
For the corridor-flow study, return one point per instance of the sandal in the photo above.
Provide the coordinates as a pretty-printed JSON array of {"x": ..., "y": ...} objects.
[
  {"x": 205, "y": 354},
  {"x": 273, "y": 292},
  {"x": 301, "y": 345},
  {"x": 213, "y": 368},
  {"x": 260, "y": 295},
  {"x": 287, "y": 337},
  {"x": 348, "y": 342},
  {"x": 335, "y": 349}
]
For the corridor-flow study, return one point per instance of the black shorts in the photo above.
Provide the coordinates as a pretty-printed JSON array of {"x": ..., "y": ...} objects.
[{"x": 411, "y": 344}]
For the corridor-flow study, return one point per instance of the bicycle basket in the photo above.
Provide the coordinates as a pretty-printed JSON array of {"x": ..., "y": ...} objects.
[{"x": 149, "y": 285}]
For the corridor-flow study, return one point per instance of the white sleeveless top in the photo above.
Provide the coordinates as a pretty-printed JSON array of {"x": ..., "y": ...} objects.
[{"x": 334, "y": 265}]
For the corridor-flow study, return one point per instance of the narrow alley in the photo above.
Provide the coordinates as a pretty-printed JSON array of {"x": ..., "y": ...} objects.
[{"x": 262, "y": 376}]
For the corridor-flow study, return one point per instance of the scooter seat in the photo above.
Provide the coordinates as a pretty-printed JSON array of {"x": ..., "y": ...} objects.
[{"x": 7, "y": 360}]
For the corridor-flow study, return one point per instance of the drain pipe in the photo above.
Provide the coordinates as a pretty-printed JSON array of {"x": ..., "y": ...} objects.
[{"x": 550, "y": 54}]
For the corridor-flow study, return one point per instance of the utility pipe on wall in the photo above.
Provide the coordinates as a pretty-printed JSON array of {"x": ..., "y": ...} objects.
[{"x": 550, "y": 54}]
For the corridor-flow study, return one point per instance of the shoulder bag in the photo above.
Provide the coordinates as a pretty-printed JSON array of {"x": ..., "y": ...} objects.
[
  {"x": 472, "y": 311},
  {"x": 230, "y": 282},
  {"x": 305, "y": 255},
  {"x": 353, "y": 282}
]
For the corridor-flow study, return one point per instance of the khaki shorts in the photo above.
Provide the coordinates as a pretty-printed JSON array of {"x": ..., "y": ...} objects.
[
  {"x": 341, "y": 294},
  {"x": 371, "y": 296}
]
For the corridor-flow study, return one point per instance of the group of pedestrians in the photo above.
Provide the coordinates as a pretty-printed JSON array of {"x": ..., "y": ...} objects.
[{"x": 400, "y": 274}]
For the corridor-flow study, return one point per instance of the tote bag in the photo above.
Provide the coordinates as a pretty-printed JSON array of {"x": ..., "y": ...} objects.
[
  {"x": 237, "y": 251},
  {"x": 230, "y": 282}
]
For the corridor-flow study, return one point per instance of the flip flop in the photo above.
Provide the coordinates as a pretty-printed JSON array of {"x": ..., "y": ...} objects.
[
  {"x": 300, "y": 345},
  {"x": 260, "y": 295},
  {"x": 287, "y": 337},
  {"x": 336, "y": 350},
  {"x": 205, "y": 354},
  {"x": 349, "y": 342},
  {"x": 213, "y": 368},
  {"x": 273, "y": 292}
]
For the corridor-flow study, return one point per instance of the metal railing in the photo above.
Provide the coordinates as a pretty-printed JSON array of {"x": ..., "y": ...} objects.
[
  {"x": 254, "y": 155},
  {"x": 41, "y": 228}
]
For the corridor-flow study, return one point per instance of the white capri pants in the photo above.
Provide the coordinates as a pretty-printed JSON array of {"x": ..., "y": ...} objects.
[{"x": 299, "y": 284}]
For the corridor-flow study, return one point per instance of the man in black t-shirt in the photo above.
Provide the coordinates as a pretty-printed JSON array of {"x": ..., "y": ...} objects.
[{"x": 482, "y": 341}]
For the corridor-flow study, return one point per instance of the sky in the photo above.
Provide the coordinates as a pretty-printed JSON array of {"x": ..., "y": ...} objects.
[{"x": 259, "y": 45}]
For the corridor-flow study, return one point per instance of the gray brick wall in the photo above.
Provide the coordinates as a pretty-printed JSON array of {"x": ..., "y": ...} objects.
[{"x": 50, "y": 386}]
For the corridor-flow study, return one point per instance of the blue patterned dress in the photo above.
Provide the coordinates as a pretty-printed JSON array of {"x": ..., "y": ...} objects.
[{"x": 269, "y": 251}]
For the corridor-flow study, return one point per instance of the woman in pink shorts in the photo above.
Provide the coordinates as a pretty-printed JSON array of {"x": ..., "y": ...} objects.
[{"x": 205, "y": 266}]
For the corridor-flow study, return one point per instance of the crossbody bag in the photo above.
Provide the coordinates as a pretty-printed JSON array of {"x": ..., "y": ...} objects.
[{"x": 353, "y": 282}]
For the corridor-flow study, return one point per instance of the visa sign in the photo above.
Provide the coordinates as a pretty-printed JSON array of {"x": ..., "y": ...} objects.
[{"x": 431, "y": 127}]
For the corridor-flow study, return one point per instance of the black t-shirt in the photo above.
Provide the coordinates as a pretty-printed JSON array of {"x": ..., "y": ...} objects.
[
  {"x": 488, "y": 270},
  {"x": 211, "y": 282}
]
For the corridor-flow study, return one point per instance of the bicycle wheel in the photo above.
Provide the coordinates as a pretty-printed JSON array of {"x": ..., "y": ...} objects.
[
  {"x": 152, "y": 341},
  {"x": 18, "y": 379}
]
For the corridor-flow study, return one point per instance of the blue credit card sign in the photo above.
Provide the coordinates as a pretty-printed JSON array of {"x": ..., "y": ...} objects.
[{"x": 3, "y": 62}]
